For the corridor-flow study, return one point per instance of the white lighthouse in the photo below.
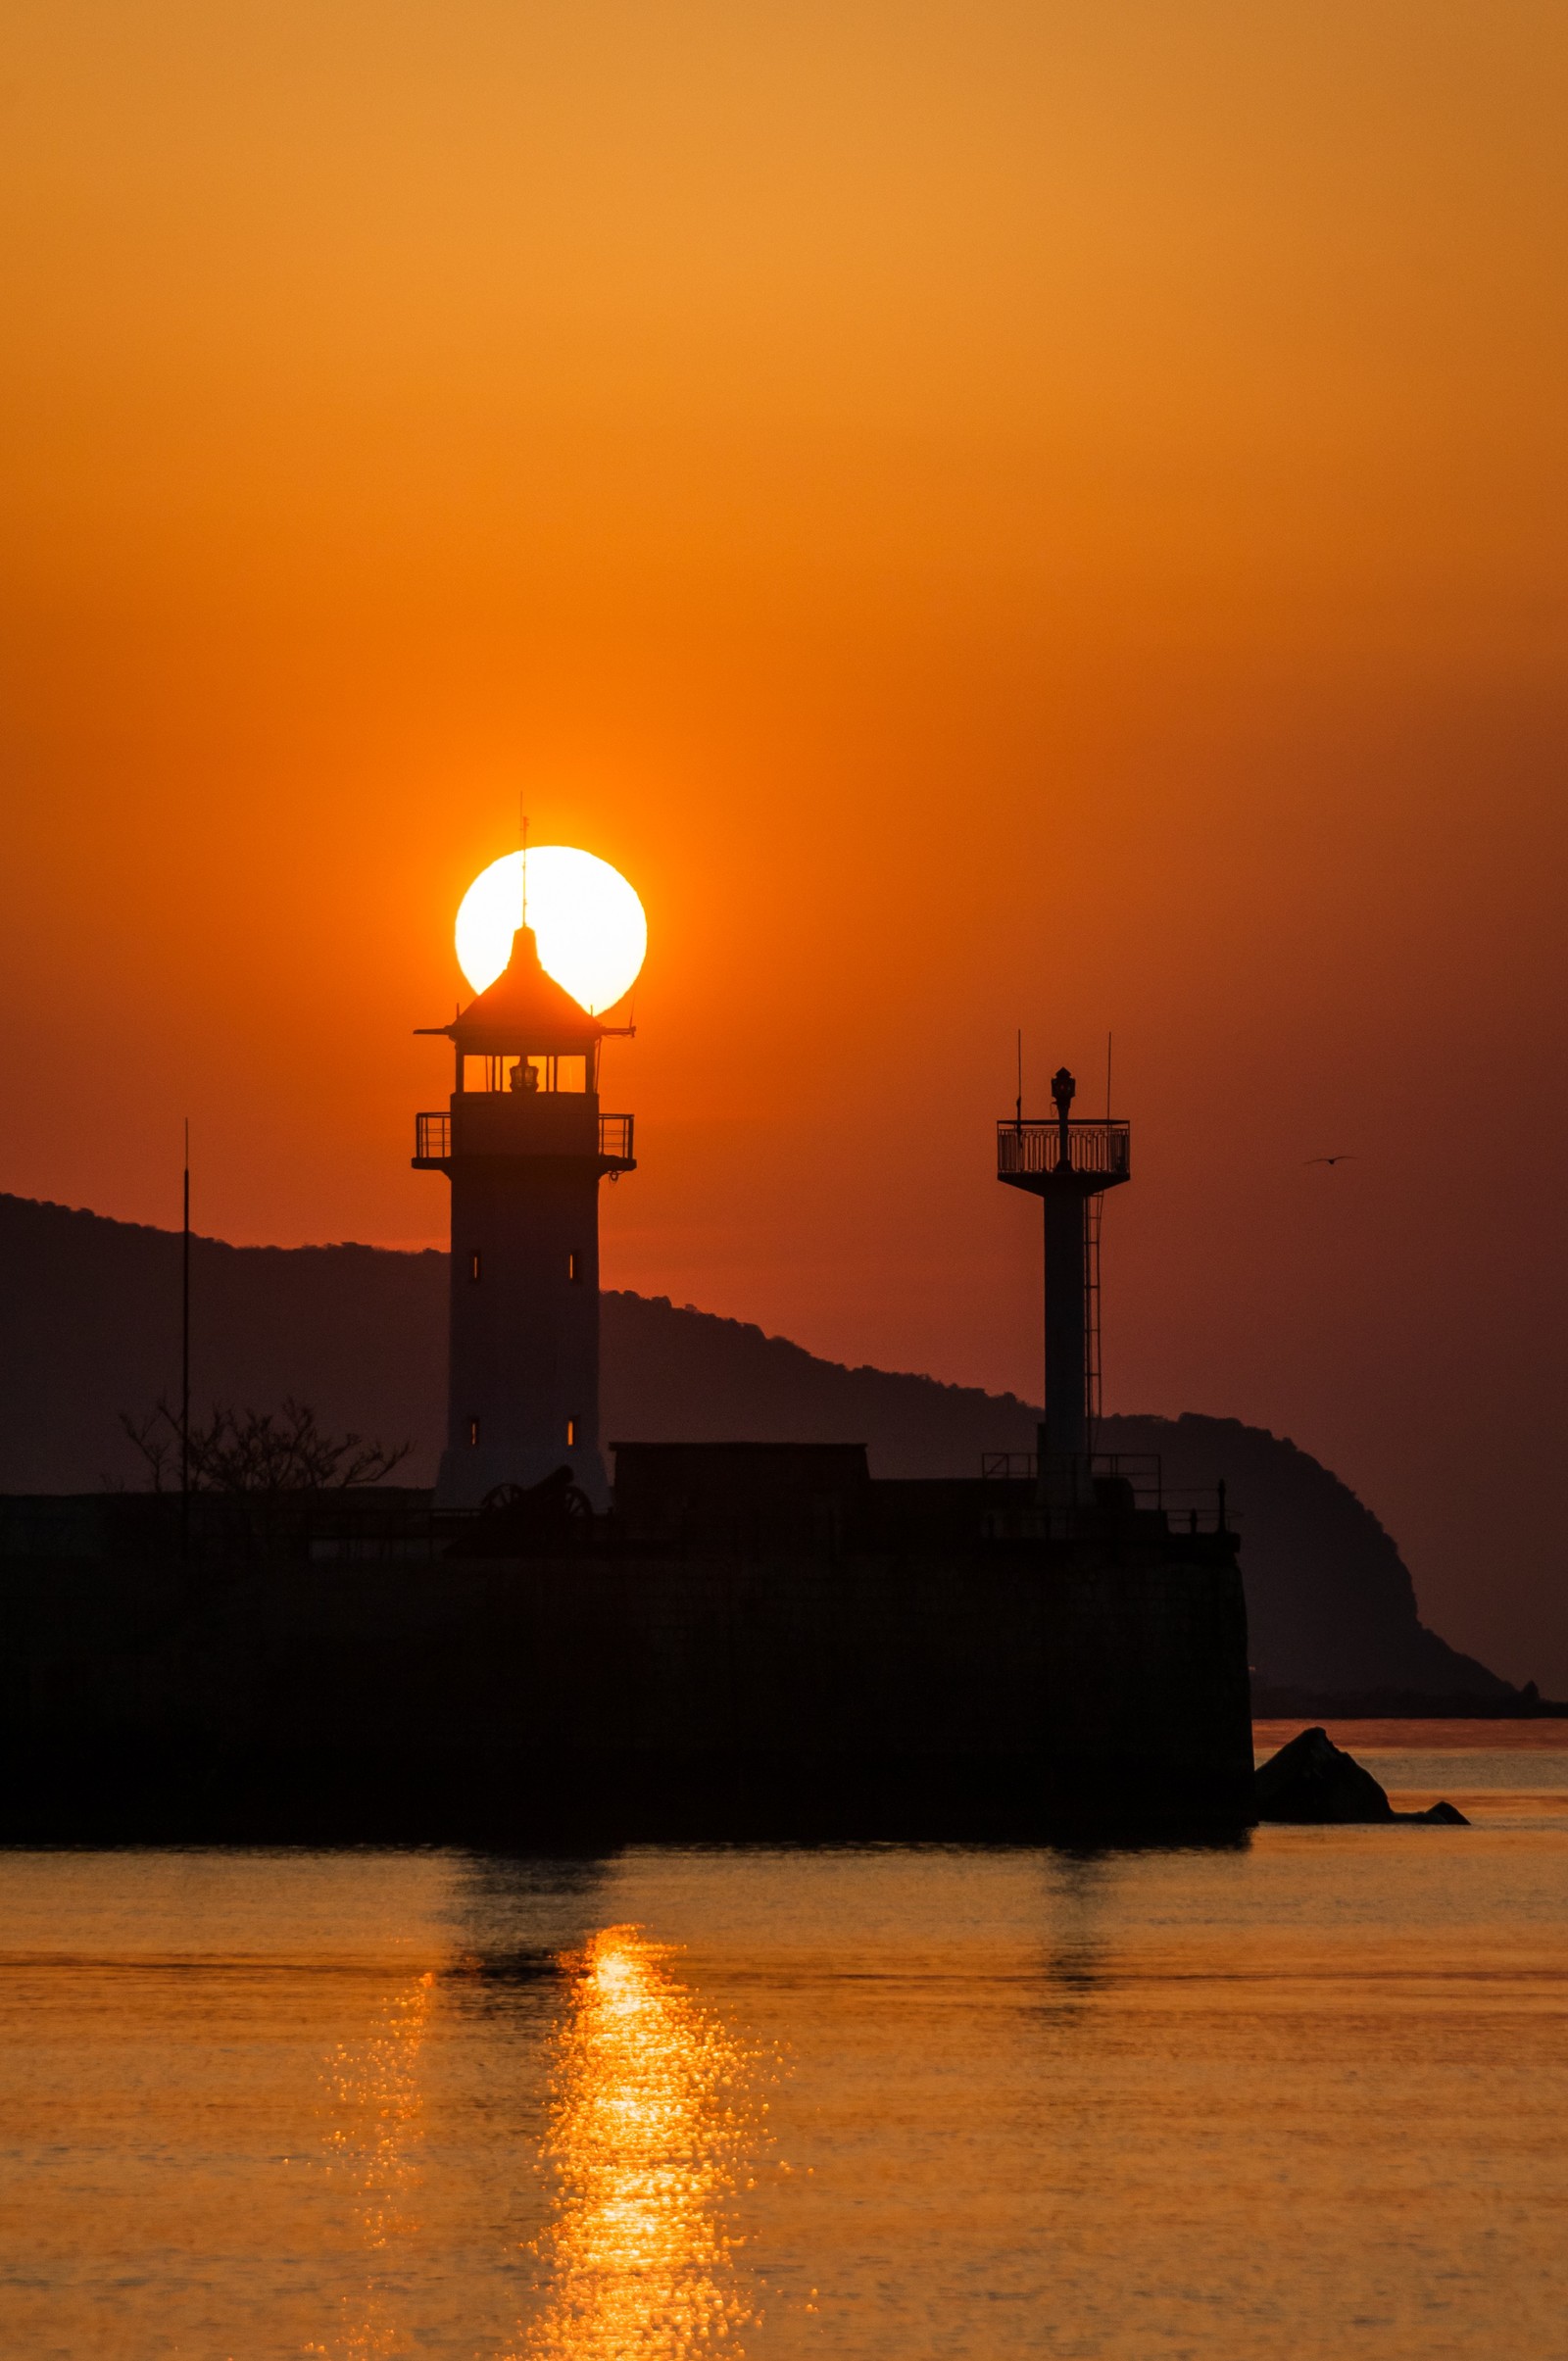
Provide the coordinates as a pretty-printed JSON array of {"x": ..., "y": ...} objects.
[{"x": 524, "y": 1147}]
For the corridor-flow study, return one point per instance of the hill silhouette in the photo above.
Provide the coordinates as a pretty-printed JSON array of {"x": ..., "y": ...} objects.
[{"x": 91, "y": 1328}]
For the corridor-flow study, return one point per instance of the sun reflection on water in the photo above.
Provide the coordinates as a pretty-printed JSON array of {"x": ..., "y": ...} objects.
[
  {"x": 373, "y": 2141},
  {"x": 651, "y": 2115}
]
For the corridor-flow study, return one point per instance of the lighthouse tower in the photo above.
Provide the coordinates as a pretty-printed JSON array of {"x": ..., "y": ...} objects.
[
  {"x": 1069, "y": 1166},
  {"x": 524, "y": 1146}
]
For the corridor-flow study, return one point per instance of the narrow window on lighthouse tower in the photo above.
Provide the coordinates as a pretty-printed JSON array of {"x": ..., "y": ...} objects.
[
  {"x": 572, "y": 1431},
  {"x": 473, "y": 1264},
  {"x": 473, "y": 1433},
  {"x": 573, "y": 1266}
]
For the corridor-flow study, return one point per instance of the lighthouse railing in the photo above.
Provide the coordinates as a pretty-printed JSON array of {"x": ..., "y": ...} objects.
[
  {"x": 1028, "y": 1148},
  {"x": 432, "y": 1132}
]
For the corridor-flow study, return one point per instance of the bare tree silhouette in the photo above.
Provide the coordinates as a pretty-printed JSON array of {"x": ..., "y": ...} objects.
[{"x": 246, "y": 1450}]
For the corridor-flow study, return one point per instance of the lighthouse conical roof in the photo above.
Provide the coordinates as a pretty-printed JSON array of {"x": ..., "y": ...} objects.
[{"x": 524, "y": 1010}]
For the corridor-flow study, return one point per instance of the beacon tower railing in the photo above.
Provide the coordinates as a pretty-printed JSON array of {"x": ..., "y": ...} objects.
[{"x": 1028, "y": 1149}]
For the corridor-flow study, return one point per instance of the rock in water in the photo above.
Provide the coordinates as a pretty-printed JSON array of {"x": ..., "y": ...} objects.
[{"x": 1313, "y": 1780}]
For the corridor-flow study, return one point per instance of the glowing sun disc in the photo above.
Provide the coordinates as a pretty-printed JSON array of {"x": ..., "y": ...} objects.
[{"x": 588, "y": 921}]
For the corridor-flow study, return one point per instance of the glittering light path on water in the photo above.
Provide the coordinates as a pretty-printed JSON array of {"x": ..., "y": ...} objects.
[
  {"x": 373, "y": 2142},
  {"x": 650, "y": 2111}
]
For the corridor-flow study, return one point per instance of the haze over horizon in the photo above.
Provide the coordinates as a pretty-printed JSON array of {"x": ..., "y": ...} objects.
[{"x": 987, "y": 516}]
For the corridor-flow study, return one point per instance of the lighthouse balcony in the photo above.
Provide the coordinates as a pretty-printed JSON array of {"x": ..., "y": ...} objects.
[
  {"x": 1030, "y": 1152},
  {"x": 523, "y": 1124}
]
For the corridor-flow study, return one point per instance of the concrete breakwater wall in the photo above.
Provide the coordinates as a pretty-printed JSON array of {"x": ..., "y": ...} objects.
[{"x": 615, "y": 1696}]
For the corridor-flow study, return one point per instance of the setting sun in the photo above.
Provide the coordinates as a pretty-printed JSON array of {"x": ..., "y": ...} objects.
[{"x": 589, "y": 924}]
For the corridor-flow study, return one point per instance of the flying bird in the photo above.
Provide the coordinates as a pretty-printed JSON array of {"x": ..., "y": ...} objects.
[{"x": 1345, "y": 1156}]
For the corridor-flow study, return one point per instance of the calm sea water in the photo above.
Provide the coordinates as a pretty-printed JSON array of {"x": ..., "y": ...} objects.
[{"x": 1306, "y": 2096}]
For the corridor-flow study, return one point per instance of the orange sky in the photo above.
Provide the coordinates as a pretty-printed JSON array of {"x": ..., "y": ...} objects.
[{"x": 988, "y": 515}]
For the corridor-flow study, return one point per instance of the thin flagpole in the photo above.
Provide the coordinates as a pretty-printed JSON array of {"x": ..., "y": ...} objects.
[{"x": 185, "y": 1361}]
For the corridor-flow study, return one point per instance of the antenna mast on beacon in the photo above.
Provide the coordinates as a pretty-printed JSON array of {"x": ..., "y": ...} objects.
[
  {"x": 1069, "y": 1166},
  {"x": 524, "y": 1147}
]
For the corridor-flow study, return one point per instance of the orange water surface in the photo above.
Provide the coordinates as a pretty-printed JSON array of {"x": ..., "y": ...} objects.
[{"x": 1302, "y": 2095}]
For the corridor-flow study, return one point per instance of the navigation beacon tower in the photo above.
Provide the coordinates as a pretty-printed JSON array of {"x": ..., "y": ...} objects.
[
  {"x": 523, "y": 1144},
  {"x": 1069, "y": 1166}
]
